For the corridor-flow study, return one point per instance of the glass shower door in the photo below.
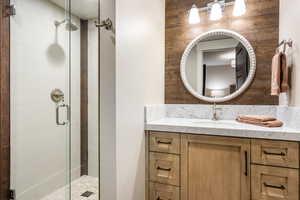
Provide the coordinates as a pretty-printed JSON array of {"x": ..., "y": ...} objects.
[{"x": 42, "y": 165}]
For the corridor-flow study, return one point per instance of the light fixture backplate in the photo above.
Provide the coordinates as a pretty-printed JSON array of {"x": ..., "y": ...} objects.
[{"x": 222, "y": 3}]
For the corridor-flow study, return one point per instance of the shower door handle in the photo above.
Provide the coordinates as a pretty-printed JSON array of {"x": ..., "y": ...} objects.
[{"x": 58, "y": 114}]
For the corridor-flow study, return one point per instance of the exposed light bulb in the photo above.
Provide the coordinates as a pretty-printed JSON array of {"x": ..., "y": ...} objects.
[
  {"x": 216, "y": 11},
  {"x": 194, "y": 17},
  {"x": 239, "y": 8}
]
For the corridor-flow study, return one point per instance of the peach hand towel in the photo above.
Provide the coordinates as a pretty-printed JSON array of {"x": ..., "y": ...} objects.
[
  {"x": 276, "y": 74},
  {"x": 275, "y": 123},
  {"x": 257, "y": 118},
  {"x": 284, "y": 87}
]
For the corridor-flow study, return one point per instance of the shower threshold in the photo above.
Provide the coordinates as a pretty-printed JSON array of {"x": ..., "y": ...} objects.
[{"x": 83, "y": 188}]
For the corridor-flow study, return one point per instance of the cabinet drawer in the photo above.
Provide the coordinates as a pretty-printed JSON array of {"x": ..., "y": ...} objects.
[
  {"x": 163, "y": 192},
  {"x": 165, "y": 142},
  {"x": 275, "y": 153},
  {"x": 164, "y": 168},
  {"x": 274, "y": 183}
]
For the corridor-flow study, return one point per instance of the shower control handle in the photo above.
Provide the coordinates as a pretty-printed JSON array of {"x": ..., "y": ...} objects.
[{"x": 57, "y": 114}]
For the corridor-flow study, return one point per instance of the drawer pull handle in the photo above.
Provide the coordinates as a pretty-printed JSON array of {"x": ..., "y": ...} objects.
[
  {"x": 158, "y": 198},
  {"x": 275, "y": 154},
  {"x": 274, "y": 186},
  {"x": 246, "y": 163},
  {"x": 162, "y": 142},
  {"x": 164, "y": 169}
]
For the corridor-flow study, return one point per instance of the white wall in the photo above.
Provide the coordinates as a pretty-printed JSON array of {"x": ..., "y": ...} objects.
[
  {"x": 139, "y": 81},
  {"x": 289, "y": 29},
  {"x": 38, "y": 65},
  {"x": 108, "y": 106}
]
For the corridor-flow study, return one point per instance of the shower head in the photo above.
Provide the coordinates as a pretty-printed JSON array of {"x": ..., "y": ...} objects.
[{"x": 69, "y": 25}]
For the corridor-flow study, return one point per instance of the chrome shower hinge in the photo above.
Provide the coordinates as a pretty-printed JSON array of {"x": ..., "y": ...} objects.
[
  {"x": 12, "y": 194},
  {"x": 11, "y": 10},
  {"x": 107, "y": 24}
]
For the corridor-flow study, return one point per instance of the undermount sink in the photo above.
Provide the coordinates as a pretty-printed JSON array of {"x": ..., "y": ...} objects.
[{"x": 215, "y": 123}]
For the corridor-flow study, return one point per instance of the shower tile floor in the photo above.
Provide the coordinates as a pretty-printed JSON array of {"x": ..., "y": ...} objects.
[{"x": 79, "y": 186}]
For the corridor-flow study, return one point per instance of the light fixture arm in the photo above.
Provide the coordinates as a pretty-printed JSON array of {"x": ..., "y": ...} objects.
[{"x": 222, "y": 2}]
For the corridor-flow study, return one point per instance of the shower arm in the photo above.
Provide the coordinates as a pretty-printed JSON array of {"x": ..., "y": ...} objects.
[
  {"x": 107, "y": 24},
  {"x": 58, "y": 23}
]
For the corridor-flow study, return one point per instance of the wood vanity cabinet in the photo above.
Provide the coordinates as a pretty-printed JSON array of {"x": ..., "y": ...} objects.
[{"x": 200, "y": 167}]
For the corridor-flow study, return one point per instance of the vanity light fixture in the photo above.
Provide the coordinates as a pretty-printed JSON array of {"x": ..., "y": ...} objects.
[
  {"x": 194, "y": 17},
  {"x": 216, "y": 12},
  {"x": 216, "y": 8},
  {"x": 239, "y": 8}
]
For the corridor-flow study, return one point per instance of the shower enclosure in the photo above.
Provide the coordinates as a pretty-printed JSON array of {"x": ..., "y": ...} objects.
[{"x": 55, "y": 99}]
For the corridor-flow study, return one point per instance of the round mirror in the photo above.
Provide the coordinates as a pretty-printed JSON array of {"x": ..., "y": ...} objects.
[{"x": 218, "y": 66}]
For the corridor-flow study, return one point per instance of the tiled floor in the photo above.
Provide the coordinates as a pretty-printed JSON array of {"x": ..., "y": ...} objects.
[{"x": 79, "y": 186}]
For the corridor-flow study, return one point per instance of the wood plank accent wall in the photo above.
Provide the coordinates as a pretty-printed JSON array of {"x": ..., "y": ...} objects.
[
  {"x": 84, "y": 97},
  {"x": 4, "y": 100},
  {"x": 260, "y": 26}
]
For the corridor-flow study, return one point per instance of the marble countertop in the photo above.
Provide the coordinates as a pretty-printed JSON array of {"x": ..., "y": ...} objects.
[{"x": 230, "y": 128}]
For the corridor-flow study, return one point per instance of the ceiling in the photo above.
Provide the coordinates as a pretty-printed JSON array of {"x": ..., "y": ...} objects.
[
  {"x": 220, "y": 57},
  {"x": 84, "y": 9}
]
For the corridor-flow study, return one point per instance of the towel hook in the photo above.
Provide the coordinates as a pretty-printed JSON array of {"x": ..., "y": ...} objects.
[
  {"x": 289, "y": 43},
  {"x": 285, "y": 43}
]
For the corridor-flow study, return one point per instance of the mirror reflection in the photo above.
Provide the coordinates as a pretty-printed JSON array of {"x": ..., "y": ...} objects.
[{"x": 217, "y": 66}]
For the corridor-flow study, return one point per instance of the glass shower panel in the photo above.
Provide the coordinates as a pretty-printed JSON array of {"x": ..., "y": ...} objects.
[
  {"x": 84, "y": 93},
  {"x": 41, "y": 60}
]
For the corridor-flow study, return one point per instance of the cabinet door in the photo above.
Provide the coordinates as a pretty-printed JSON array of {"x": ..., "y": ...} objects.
[{"x": 215, "y": 168}]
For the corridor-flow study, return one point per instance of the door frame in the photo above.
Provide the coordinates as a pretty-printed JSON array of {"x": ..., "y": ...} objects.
[{"x": 4, "y": 100}]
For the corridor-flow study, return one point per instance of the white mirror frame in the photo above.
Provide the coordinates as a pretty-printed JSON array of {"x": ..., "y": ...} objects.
[{"x": 219, "y": 32}]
